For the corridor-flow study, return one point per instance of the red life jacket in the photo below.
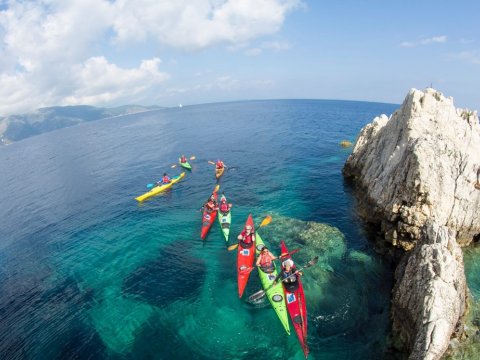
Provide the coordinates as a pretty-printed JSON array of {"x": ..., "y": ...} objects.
[
  {"x": 183, "y": 159},
  {"x": 265, "y": 260},
  {"x": 219, "y": 164},
  {"x": 166, "y": 179},
  {"x": 224, "y": 207},
  {"x": 247, "y": 238}
]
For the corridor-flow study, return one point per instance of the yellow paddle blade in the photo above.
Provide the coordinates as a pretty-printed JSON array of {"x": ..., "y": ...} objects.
[
  {"x": 216, "y": 188},
  {"x": 232, "y": 247},
  {"x": 173, "y": 166},
  {"x": 192, "y": 157},
  {"x": 266, "y": 221}
]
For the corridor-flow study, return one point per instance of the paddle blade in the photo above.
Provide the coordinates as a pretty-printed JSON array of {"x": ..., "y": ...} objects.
[
  {"x": 232, "y": 247},
  {"x": 192, "y": 157},
  {"x": 216, "y": 188},
  {"x": 266, "y": 221},
  {"x": 257, "y": 296},
  {"x": 149, "y": 185},
  {"x": 211, "y": 162},
  {"x": 173, "y": 166},
  {"x": 312, "y": 262}
]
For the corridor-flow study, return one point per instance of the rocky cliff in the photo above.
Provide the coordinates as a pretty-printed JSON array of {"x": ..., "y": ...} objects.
[
  {"x": 416, "y": 178},
  {"x": 420, "y": 163},
  {"x": 429, "y": 295}
]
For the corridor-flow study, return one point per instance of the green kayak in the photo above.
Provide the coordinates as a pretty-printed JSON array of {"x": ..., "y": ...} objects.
[
  {"x": 185, "y": 165},
  {"x": 225, "y": 219},
  {"x": 275, "y": 293}
]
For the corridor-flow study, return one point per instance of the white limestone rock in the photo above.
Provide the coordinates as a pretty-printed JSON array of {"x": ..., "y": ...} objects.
[
  {"x": 430, "y": 293},
  {"x": 420, "y": 163}
]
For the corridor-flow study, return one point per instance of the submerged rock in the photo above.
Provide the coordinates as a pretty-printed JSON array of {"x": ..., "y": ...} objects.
[
  {"x": 429, "y": 296},
  {"x": 420, "y": 163}
]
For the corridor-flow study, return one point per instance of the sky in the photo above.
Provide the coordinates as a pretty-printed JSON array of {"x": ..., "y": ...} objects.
[{"x": 171, "y": 52}]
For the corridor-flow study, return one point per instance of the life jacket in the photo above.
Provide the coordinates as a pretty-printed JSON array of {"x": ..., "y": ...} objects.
[
  {"x": 210, "y": 205},
  {"x": 265, "y": 260},
  {"x": 223, "y": 207},
  {"x": 165, "y": 179},
  {"x": 183, "y": 159},
  {"x": 286, "y": 275},
  {"x": 247, "y": 239},
  {"x": 219, "y": 164}
]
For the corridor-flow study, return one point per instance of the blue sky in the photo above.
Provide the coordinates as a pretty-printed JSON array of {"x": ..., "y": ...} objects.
[{"x": 167, "y": 52}]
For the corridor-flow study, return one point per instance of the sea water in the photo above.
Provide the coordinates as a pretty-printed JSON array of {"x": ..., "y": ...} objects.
[{"x": 86, "y": 272}]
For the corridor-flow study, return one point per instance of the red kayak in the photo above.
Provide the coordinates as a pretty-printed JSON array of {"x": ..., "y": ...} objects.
[
  {"x": 208, "y": 218},
  {"x": 245, "y": 258},
  {"x": 296, "y": 306}
]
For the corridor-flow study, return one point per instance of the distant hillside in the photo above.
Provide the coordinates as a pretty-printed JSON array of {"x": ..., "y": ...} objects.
[{"x": 18, "y": 127}]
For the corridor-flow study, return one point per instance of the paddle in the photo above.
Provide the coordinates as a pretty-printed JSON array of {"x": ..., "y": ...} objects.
[
  {"x": 260, "y": 294},
  {"x": 266, "y": 221},
  {"x": 149, "y": 185}
]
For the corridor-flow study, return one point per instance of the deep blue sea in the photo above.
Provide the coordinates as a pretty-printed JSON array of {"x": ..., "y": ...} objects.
[{"x": 88, "y": 273}]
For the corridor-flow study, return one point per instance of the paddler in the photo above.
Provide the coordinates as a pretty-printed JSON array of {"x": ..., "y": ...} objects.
[
  {"x": 224, "y": 206},
  {"x": 219, "y": 164},
  {"x": 289, "y": 276},
  {"x": 183, "y": 159},
  {"x": 211, "y": 204},
  {"x": 247, "y": 237},
  {"x": 265, "y": 260},
  {"x": 165, "y": 180}
]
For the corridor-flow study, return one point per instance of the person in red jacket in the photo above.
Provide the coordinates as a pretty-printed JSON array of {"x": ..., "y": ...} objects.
[
  {"x": 265, "y": 260},
  {"x": 224, "y": 206},
  {"x": 183, "y": 159},
  {"x": 219, "y": 164},
  {"x": 165, "y": 180},
  {"x": 247, "y": 236}
]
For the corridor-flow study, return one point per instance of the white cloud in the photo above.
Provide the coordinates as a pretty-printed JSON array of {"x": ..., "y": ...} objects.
[
  {"x": 425, "y": 41},
  {"x": 253, "y": 52},
  {"x": 197, "y": 24},
  {"x": 270, "y": 45},
  {"x": 55, "y": 52}
]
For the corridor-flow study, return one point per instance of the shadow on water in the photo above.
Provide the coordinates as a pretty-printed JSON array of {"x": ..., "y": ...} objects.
[{"x": 174, "y": 275}]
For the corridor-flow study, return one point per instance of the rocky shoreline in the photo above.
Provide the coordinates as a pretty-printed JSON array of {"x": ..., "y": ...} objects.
[{"x": 415, "y": 176}]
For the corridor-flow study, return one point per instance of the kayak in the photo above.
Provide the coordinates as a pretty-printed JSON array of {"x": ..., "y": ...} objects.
[
  {"x": 245, "y": 258},
  {"x": 274, "y": 293},
  {"x": 208, "y": 218},
  {"x": 219, "y": 172},
  {"x": 158, "y": 189},
  {"x": 185, "y": 165},
  {"x": 225, "y": 220},
  {"x": 296, "y": 306}
]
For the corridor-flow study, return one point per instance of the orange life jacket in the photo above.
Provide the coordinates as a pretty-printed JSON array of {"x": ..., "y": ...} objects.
[{"x": 265, "y": 260}]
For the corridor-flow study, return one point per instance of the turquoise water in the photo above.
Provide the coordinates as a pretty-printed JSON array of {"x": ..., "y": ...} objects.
[{"x": 86, "y": 272}]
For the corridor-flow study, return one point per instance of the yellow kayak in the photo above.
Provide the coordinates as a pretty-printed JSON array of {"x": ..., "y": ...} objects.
[{"x": 158, "y": 189}]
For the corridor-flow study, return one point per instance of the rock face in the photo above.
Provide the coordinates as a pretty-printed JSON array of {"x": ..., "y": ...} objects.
[
  {"x": 419, "y": 164},
  {"x": 416, "y": 177},
  {"x": 429, "y": 295}
]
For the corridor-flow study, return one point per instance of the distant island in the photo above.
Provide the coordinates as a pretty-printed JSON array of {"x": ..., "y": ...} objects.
[{"x": 18, "y": 127}]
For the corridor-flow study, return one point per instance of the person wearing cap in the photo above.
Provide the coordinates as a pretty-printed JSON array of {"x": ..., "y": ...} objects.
[
  {"x": 289, "y": 276},
  {"x": 265, "y": 260},
  {"x": 224, "y": 206},
  {"x": 247, "y": 236}
]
